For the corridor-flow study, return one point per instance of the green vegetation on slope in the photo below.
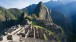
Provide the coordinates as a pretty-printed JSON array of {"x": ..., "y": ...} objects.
[
  {"x": 36, "y": 24},
  {"x": 45, "y": 36}
]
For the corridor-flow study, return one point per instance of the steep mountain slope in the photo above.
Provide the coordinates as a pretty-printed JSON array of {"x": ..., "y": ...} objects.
[
  {"x": 59, "y": 8},
  {"x": 59, "y": 18},
  {"x": 45, "y": 18},
  {"x": 15, "y": 12},
  {"x": 65, "y": 14},
  {"x": 71, "y": 7},
  {"x": 44, "y": 26},
  {"x": 42, "y": 12},
  {"x": 12, "y": 13},
  {"x": 9, "y": 17},
  {"x": 30, "y": 8},
  {"x": 5, "y": 14}
]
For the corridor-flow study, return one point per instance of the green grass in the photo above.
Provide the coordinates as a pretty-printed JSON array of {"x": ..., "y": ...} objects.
[
  {"x": 37, "y": 26},
  {"x": 51, "y": 33},
  {"x": 45, "y": 36}
]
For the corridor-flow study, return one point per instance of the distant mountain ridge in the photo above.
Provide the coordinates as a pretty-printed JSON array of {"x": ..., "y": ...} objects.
[
  {"x": 67, "y": 9},
  {"x": 67, "y": 18},
  {"x": 62, "y": 15},
  {"x": 41, "y": 18},
  {"x": 9, "y": 17}
]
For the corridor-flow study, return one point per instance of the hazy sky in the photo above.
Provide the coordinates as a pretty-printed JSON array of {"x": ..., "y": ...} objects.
[{"x": 19, "y": 3}]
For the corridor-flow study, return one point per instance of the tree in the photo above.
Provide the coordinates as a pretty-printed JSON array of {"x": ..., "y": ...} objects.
[{"x": 34, "y": 16}]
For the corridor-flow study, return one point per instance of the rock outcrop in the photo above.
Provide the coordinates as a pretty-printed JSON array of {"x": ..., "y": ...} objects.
[{"x": 42, "y": 11}]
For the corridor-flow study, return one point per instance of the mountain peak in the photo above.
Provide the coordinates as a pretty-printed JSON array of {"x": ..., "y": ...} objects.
[
  {"x": 41, "y": 11},
  {"x": 40, "y": 2}
]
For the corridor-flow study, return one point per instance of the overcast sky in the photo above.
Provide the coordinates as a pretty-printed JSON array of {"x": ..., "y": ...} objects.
[{"x": 19, "y": 3}]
